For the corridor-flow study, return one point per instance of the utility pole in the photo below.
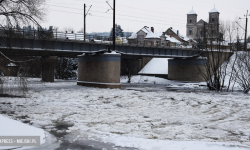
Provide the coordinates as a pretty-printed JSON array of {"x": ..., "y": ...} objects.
[
  {"x": 114, "y": 26},
  {"x": 84, "y": 30},
  {"x": 245, "y": 43},
  {"x": 246, "y": 32},
  {"x": 113, "y": 22},
  {"x": 85, "y": 15}
]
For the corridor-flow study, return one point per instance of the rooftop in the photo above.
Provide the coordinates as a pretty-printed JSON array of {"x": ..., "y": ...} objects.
[
  {"x": 192, "y": 12},
  {"x": 214, "y": 10}
]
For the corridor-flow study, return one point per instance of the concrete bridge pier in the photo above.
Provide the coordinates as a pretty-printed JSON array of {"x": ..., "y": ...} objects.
[
  {"x": 48, "y": 65},
  {"x": 186, "y": 69},
  {"x": 101, "y": 70}
]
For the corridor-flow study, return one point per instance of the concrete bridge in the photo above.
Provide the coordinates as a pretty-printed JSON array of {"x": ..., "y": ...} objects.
[{"x": 97, "y": 66}]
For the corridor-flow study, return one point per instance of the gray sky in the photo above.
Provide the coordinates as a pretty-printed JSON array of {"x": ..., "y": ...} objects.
[{"x": 132, "y": 15}]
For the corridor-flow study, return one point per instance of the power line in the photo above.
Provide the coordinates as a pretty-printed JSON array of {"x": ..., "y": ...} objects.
[
  {"x": 133, "y": 16},
  {"x": 176, "y": 1},
  {"x": 104, "y": 8},
  {"x": 117, "y": 14},
  {"x": 181, "y": 3},
  {"x": 220, "y": 5},
  {"x": 116, "y": 18},
  {"x": 147, "y": 10}
]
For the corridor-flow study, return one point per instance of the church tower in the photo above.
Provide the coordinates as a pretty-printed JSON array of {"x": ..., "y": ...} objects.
[
  {"x": 214, "y": 20},
  {"x": 191, "y": 23},
  {"x": 214, "y": 16}
]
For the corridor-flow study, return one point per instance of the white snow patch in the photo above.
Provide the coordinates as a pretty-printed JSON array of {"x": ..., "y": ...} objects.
[
  {"x": 213, "y": 10},
  {"x": 133, "y": 36},
  {"x": 11, "y": 65},
  {"x": 192, "y": 12},
  {"x": 156, "y": 66},
  {"x": 11, "y": 127}
]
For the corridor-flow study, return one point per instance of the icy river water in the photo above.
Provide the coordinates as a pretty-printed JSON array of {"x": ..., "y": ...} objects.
[{"x": 137, "y": 116}]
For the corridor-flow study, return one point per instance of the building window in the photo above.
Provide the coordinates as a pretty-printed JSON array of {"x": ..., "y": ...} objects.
[
  {"x": 212, "y": 31},
  {"x": 201, "y": 33},
  {"x": 190, "y": 32},
  {"x": 190, "y": 21},
  {"x": 140, "y": 37},
  {"x": 212, "y": 20}
]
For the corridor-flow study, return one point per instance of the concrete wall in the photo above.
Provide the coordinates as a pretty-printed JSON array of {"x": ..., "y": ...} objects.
[
  {"x": 48, "y": 65},
  {"x": 190, "y": 69},
  {"x": 223, "y": 56},
  {"x": 143, "y": 62},
  {"x": 99, "y": 70},
  {"x": 186, "y": 69}
]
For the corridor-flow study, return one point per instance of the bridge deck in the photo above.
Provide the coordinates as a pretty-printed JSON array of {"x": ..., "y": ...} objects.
[{"x": 37, "y": 46}]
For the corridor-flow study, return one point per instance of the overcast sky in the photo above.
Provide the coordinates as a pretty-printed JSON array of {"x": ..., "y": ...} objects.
[{"x": 132, "y": 15}]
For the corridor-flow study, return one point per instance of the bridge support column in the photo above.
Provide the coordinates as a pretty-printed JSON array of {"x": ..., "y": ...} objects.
[
  {"x": 99, "y": 70},
  {"x": 48, "y": 65},
  {"x": 186, "y": 69}
]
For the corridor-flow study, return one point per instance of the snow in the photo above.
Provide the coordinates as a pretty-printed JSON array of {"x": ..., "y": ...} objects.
[
  {"x": 156, "y": 66},
  {"x": 149, "y": 33},
  {"x": 11, "y": 65},
  {"x": 238, "y": 66},
  {"x": 133, "y": 36},
  {"x": 172, "y": 39},
  {"x": 141, "y": 115},
  {"x": 192, "y": 12},
  {"x": 213, "y": 10},
  {"x": 153, "y": 35},
  {"x": 180, "y": 35},
  {"x": 150, "y": 144},
  {"x": 11, "y": 127}
]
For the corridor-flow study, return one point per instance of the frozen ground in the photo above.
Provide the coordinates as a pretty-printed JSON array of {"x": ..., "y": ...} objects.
[
  {"x": 150, "y": 114},
  {"x": 11, "y": 127}
]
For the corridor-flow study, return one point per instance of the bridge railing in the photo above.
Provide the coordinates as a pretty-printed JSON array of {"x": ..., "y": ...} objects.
[{"x": 78, "y": 37}]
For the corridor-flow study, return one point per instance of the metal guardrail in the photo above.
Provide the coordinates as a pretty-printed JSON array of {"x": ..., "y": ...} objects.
[
  {"x": 77, "y": 37},
  {"x": 58, "y": 41}
]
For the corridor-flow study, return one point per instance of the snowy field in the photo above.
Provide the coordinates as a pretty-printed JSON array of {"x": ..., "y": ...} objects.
[{"x": 149, "y": 114}]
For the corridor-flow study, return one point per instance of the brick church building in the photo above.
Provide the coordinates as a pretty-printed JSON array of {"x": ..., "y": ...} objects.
[{"x": 195, "y": 29}]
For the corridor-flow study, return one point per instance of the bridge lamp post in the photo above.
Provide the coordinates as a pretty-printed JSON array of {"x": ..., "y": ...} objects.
[{"x": 114, "y": 26}]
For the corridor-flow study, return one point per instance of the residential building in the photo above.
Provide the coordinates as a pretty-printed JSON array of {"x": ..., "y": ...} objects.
[
  {"x": 148, "y": 37},
  {"x": 145, "y": 37},
  {"x": 175, "y": 34}
]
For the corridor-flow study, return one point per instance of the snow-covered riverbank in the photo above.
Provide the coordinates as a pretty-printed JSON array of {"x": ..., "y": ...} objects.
[{"x": 138, "y": 115}]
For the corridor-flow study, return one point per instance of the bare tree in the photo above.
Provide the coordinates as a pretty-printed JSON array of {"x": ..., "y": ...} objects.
[
  {"x": 21, "y": 12},
  {"x": 216, "y": 56},
  {"x": 241, "y": 70},
  {"x": 17, "y": 13}
]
